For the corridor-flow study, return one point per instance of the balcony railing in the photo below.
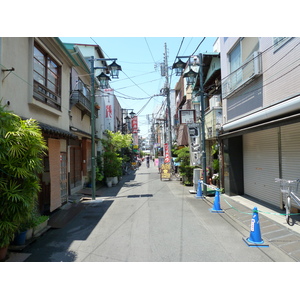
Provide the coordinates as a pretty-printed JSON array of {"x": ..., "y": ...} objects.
[
  {"x": 242, "y": 76},
  {"x": 79, "y": 99}
]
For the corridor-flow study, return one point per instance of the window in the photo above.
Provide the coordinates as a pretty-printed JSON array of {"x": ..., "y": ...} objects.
[
  {"x": 235, "y": 61},
  {"x": 235, "y": 58},
  {"x": 278, "y": 42},
  {"x": 47, "y": 78},
  {"x": 242, "y": 52},
  {"x": 243, "y": 64}
]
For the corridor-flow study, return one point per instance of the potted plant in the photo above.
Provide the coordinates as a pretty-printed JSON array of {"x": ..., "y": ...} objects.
[
  {"x": 40, "y": 224},
  {"x": 21, "y": 149}
]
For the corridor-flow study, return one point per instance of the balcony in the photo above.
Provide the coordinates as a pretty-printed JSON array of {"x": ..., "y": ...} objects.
[
  {"x": 244, "y": 75},
  {"x": 82, "y": 102}
]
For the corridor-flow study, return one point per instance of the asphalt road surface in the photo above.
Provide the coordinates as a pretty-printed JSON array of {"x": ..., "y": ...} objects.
[{"x": 144, "y": 219}]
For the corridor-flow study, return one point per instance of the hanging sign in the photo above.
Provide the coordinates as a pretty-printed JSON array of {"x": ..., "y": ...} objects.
[
  {"x": 167, "y": 154},
  {"x": 187, "y": 116},
  {"x": 134, "y": 124}
]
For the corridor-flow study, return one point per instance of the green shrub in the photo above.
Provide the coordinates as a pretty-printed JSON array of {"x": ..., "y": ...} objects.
[{"x": 21, "y": 150}]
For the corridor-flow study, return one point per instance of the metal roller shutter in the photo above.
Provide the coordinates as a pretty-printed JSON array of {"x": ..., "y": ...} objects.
[
  {"x": 261, "y": 165},
  {"x": 290, "y": 145}
]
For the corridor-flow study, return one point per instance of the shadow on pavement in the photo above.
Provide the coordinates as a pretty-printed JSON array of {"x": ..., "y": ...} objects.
[
  {"x": 54, "y": 245},
  {"x": 73, "y": 225}
]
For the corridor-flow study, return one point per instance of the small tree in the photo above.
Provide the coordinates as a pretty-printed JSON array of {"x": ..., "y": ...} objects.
[
  {"x": 185, "y": 170},
  {"x": 21, "y": 149},
  {"x": 113, "y": 144},
  {"x": 115, "y": 141}
]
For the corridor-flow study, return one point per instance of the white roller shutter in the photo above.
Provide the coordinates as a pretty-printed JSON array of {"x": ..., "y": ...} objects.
[
  {"x": 290, "y": 145},
  {"x": 261, "y": 165}
]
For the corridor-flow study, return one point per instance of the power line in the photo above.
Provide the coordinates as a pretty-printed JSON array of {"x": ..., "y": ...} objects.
[
  {"x": 123, "y": 71},
  {"x": 136, "y": 76},
  {"x": 135, "y": 84},
  {"x": 199, "y": 45},
  {"x": 150, "y": 50},
  {"x": 121, "y": 88}
]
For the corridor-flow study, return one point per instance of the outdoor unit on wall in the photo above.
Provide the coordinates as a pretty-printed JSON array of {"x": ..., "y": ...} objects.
[{"x": 244, "y": 75}]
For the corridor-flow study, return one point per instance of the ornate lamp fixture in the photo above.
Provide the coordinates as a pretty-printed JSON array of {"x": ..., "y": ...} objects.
[
  {"x": 114, "y": 69},
  {"x": 179, "y": 67},
  {"x": 103, "y": 80}
]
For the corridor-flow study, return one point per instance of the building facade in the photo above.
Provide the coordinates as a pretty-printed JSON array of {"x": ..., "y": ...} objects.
[
  {"x": 261, "y": 105},
  {"x": 34, "y": 83},
  {"x": 47, "y": 80}
]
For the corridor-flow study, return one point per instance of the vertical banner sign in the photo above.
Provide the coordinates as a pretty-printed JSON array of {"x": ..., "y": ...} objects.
[
  {"x": 165, "y": 168},
  {"x": 109, "y": 110},
  {"x": 134, "y": 127},
  {"x": 167, "y": 154},
  {"x": 134, "y": 124}
]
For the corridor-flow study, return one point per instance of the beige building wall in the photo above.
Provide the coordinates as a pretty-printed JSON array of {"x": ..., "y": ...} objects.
[{"x": 17, "y": 87}]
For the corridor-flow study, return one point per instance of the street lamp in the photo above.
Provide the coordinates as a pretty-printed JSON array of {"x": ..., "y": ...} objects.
[
  {"x": 103, "y": 81},
  {"x": 191, "y": 77},
  {"x": 179, "y": 67},
  {"x": 132, "y": 114},
  {"x": 114, "y": 69},
  {"x": 127, "y": 119}
]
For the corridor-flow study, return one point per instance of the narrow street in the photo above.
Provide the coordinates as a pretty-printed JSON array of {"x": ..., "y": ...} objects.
[{"x": 143, "y": 219}]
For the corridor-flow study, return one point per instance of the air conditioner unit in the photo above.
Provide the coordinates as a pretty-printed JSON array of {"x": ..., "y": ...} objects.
[{"x": 257, "y": 63}]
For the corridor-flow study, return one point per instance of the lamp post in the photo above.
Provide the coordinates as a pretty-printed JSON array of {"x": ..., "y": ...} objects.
[
  {"x": 127, "y": 119},
  {"x": 103, "y": 80},
  {"x": 191, "y": 80}
]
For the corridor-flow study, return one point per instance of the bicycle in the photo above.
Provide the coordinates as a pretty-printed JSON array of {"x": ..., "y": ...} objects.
[{"x": 289, "y": 188}]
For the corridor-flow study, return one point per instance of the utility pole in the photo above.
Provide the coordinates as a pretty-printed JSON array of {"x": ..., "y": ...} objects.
[
  {"x": 167, "y": 89},
  {"x": 93, "y": 159},
  {"x": 202, "y": 103}
]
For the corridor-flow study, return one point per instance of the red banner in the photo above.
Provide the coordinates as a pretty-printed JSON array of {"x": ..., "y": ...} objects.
[
  {"x": 134, "y": 124},
  {"x": 167, "y": 154}
]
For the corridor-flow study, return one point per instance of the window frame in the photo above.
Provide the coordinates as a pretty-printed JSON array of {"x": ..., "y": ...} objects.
[
  {"x": 42, "y": 83},
  {"x": 279, "y": 42}
]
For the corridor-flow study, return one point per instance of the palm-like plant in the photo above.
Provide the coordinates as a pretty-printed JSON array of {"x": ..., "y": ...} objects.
[{"x": 21, "y": 149}]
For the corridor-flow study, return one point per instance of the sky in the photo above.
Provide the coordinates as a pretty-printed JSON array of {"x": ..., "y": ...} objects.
[
  {"x": 153, "y": 20},
  {"x": 140, "y": 59},
  {"x": 123, "y": 26}
]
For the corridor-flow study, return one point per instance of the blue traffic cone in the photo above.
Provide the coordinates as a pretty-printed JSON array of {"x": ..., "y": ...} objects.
[
  {"x": 199, "y": 190},
  {"x": 255, "y": 240},
  {"x": 216, "y": 207}
]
